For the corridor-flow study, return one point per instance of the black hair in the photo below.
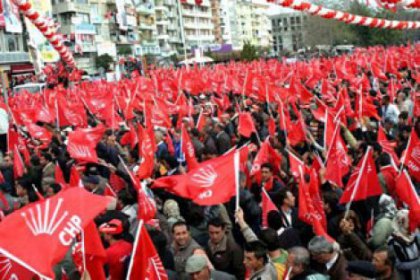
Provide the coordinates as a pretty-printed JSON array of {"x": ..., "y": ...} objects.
[
  {"x": 47, "y": 156},
  {"x": 281, "y": 196},
  {"x": 403, "y": 115},
  {"x": 274, "y": 220},
  {"x": 56, "y": 187},
  {"x": 384, "y": 159},
  {"x": 258, "y": 248},
  {"x": 269, "y": 236},
  {"x": 127, "y": 197},
  {"x": 180, "y": 223},
  {"x": 267, "y": 165},
  {"x": 217, "y": 222}
]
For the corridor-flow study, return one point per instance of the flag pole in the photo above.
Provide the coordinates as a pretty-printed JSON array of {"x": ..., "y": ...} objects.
[
  {"x": 356, "y": 185},
  {"x": 136, "y": 243},
  {"x": 236, "y": 162}
]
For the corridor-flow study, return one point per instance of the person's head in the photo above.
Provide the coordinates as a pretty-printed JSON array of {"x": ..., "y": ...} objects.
[
  {"x": 286, "y": 198},
  {"x": 45, "y": 158},
  {"x": 360, "y": 270},
  {"x": 270, "y": 238},
  {"x": 255, "y": 256},
  {"x": 385, "y": 100},
  {"x": 219, "y": 127},
  {"x": 400, "y": 224},
  {"x": 401, "y": 96},
  {"x": 330, "y": 202},
  {"x": 216, "y": 228},
  {"x": 266, "y": 171},
  {"x": 298, "y": 260},
  {"x": 197, "y": 267},
  {"x": 403, "y": 118},
  {"x": 91, "y": 182},
  {"x": 353, "y": 220},
  {"x": 321, "y": 250},
  {"x": 126, "y": 197},
  {"x": 7, "y": 161},
  {"x": 181, "y": 233},
  {"x": 112, "y": 230},
  {"x": 52, "y": 190},
  {"x": 383, "y": 261}
]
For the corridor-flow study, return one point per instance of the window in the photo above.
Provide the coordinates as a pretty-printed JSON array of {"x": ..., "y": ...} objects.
[
  {"x": 297, "y": 20},
  {"x": 292, "y": 20},
  {"x": 285, "y": 22},
  {"x": 12, "y": 42}
]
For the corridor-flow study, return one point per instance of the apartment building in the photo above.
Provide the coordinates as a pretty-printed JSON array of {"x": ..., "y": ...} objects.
[
  {"x": 288, "y": 31},
  {"x": 147, "y": 27},
  {"x": 250, "y": 23}
]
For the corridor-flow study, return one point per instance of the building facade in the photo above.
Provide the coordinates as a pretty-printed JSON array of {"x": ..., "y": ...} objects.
[{"x": 288, "y": 31}]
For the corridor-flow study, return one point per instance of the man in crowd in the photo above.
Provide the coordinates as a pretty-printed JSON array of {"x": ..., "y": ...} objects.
[
  {"x": 198, "y": 269},
  {"x": 183, "y": 247},
  {"x": 223, "y": 252}
]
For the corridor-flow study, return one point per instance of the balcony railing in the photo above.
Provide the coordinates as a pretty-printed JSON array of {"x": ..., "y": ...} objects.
[{"x": 13, "y": 57}]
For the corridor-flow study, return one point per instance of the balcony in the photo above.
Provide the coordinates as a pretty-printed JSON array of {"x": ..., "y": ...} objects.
[
  {"x": 66, "y": 7},
  {"x": 163, "y": 37},
  {"x": 161, "y": 8},
  {"x": 147, "y": 26},
  {"x": 145, "y": 9},
  {"x": 13, "y": 57},
  {"x": 162, "y": 22},
  {"x": 197, "y": 38}
]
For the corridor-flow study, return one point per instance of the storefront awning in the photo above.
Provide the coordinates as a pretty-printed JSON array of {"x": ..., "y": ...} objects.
[{"x": 21, "y": 69}]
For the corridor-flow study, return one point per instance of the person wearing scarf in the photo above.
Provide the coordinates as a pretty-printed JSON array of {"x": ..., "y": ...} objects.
[{"x": 406, "y": 247}]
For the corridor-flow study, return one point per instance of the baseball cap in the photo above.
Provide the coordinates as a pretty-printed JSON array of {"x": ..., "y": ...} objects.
[
  {"x": 112, "y": 227},
  {"x": 195, "y": 263}
]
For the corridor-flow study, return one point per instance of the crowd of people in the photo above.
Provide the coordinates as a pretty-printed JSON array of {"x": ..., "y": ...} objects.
[{"x": 142, "y": 120}]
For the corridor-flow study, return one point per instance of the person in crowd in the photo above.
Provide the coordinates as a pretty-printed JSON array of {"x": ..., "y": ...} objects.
[
  {"x": 48, "y": 169},
  {"x": 182, "y": 247},
  {"x": 119, "y": 249},
  {"x": 389, "y": 110},
  {"x": 257, "y": 262},
  {"x": 269, "y": 182},
  {"x": 223, "y": 252},
  {"x": 52, "y": 190},
  {"x": 406, "y": 247},
  {"x": 327, "y": 258},
  {"x": 382, "y": 228},
  {"x": 351, "y": 238},
  {"x": 198, "y": 269},
  {"x": 223, "y": 141},
  {"x": 384, "y": 263},
  {"x": 361, "y": 270},
  {"x": 298, "y": 265}
]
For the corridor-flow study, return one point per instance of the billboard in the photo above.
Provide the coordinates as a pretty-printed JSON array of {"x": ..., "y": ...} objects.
[
  {"x": 11, "y": 17},
  {"x": 46, "y": 52}
]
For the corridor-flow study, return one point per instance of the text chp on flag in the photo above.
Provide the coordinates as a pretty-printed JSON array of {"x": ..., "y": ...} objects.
[{"x": 38, "y": 236}]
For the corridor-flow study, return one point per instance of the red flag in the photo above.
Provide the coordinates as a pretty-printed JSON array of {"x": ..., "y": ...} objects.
[
  {"x": 212, "y": 182},
  {"x": 81, "y": 148},
  {"x": 147, "y": 155},
  {"x": 109, "y": 191},
  {"x": 11, "y": 270},
  {"x": 266, "y": 154},
  {"x": 294, "y": 164},
  {"x": 187, "y": 148},
  {"x": 94, "y": 252},
  {"x": 363, "y": 181},
  {"x": 202, "y": 120},
  {"x": 145, "y": 262},
  {"x": 406, "y": 192},
  {"x": 38, "y": 194},
  {"x": 146, "y": 206},
  {"x": 267, "y": 205},
  {"x": 93, "y": 134},
  {"x": 411, "y": 157},
  {"x": 2, "y": 180},
  {"x": 246, "y": 125},
  {"x": 130, "y": 138},
  {"x": 18, "y": 165},
  {"x": 47, "y": 229},
  {"x": 39, "y": 132},
  {"x": 75, "y": 180},
  {"x": 338, "y": 161},
  {"x": 116, "y": 182},
  {"x": 387, "y": 146}
]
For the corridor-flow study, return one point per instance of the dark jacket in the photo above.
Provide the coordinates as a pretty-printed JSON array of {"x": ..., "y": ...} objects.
[
  {"x": 354, "y": 248},
  {"x": 223, "y": 142},
  {"x": 337, "y": 272},
  {"x": 227, "y": 257}
]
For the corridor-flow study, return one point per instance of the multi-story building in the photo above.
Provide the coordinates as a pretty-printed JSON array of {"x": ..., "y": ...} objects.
[
  {"x": 250, "y": 23},
  {"x": 75, "y": 21},
  {"x": 197, "y": 22},
  {"x": 288, "y": 31},
  {"x": 147, "y": 14}
]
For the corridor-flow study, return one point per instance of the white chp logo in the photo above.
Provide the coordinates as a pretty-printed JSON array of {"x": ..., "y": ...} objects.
[
  {"x": 43, "y": 221},
  {"x": 6, "y": 266},
  {"x": 205, "y": 177},
  {"x": 80, "y": 150}
]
